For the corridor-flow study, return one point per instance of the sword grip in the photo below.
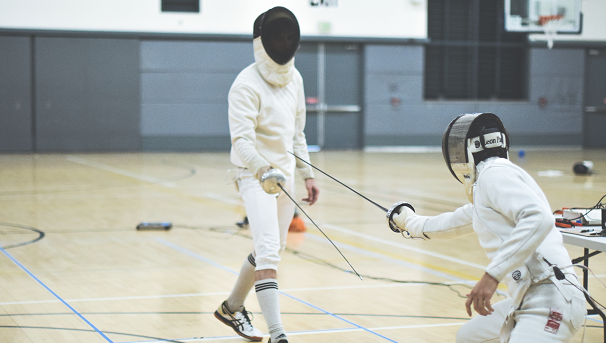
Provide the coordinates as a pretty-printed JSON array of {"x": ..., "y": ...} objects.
[{"x": 395, "y": 209}]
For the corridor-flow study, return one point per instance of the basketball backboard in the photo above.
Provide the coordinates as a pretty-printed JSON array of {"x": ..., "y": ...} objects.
[{"x": 541, "y": 16}]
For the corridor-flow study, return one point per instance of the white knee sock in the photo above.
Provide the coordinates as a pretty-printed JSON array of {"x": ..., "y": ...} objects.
[
  {"x": 244, "y": 284},
  {"x": 268, "y": 296}
]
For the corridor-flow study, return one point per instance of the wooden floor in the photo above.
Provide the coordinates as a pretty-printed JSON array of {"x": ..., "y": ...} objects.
[{"x": 94, "y": 278}]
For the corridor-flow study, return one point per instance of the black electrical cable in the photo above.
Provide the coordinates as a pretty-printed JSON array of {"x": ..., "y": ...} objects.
[
  {"x": 584, "y": 290},
  {"x": 561, "y": 276},
  {"x": 314, "y": 259},
  {"x": 598, "y": 205}
]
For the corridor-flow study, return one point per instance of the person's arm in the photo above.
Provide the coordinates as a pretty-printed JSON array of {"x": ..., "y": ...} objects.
[
  {"x": 445, "y": 225},
  {"x": 243, "y": 111},
  {"x": 299, "y": 141},
  {"x": 300, "y": 149}
]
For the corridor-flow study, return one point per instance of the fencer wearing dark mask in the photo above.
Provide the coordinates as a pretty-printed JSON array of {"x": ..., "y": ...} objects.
[{"x": 266, "y": 121}]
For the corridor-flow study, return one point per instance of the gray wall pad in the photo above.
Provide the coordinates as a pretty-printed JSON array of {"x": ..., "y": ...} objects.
[{"x": 186, "y": 143}]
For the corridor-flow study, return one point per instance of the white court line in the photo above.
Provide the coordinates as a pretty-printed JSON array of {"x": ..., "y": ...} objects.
[
  {"x": 312, "y": 332},
  {"x": 229, "y": 200},
  {"x": 374, "y": 329},
  {"x": 458, "y": 281},
  {"x": 216, "y": 264},
  {"x": 123, "y": 172},
  {"x": 403, "y": 246},
  {"x": 116, "y": 298},
  {"x": 233, "y": 201},
  {"x": 141, "y": 177},
  {"x": 213, "y": 294},
  {"x": 396, "y": 261}
]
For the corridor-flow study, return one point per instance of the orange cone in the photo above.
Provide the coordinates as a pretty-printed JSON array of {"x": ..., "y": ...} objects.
[{"x": 297, "y": 225}]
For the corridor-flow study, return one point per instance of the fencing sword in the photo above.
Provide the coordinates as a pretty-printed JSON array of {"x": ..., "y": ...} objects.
[
  {"x": 341, "y": 183},
  {"x": 272, "y": 181},
  {"x": 395, "y": 209}
]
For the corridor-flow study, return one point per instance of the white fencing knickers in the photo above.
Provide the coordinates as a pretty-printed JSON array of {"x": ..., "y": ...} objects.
[
  {"x": 269, "y": 217},
  {"x": 545, "y": 316}
]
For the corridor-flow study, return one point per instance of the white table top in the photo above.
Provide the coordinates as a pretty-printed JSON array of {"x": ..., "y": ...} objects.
[{"x": 595, "y": 243}]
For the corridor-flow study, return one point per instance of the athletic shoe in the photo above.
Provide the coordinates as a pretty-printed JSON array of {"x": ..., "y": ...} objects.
[
  {"x": 282, "y": 338},
  {"x": 238, "y": 321},
  {"x": 243, "y": 224}
]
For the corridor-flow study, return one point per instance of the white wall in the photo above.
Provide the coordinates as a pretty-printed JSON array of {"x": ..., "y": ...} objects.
[{"x": 349, "y": 18}]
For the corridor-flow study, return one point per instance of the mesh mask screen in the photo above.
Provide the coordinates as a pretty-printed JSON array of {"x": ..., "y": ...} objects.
[
  {"x": 281, "y": 41},
  {"x": 280, "y": 34}
]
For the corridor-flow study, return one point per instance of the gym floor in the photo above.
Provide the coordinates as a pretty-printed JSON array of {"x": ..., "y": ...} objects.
[{"x": 74, "y": 268}]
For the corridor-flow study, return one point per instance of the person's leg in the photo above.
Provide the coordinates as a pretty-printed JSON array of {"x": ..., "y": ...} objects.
[
  {"x": 266, "y": 284},
  {"x": 485, "y": 329},
  {"x": 258, "y": 206},
  {"x": 245, "y": 282},
  {"x": 546, "y": 316},
  {"x": 286, "y": 212},
  {"x": 266, "y": 287},
  {"x": 246, "y": 278},
  {"x": 232, "y": 311},
  {"x": 263, "y": 216}
]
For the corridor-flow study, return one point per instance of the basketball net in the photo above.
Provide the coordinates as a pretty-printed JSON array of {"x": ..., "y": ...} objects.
[{"x": 550, "y": 24}]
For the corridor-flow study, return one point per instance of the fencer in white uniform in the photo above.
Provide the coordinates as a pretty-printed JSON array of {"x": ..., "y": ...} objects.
[
  {"x": 266, "y": 122},
  {"x": 516, "y": 228}
]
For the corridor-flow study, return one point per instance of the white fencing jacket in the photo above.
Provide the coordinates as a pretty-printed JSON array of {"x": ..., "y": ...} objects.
[
  {"x": 515, "y": 226},
  {"x": 267, "y": 116}
]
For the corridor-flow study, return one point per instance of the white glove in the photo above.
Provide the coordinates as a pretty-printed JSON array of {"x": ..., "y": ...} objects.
[
  {"x": 399, "y": 219},
  {"x": 397, "y": 215}
]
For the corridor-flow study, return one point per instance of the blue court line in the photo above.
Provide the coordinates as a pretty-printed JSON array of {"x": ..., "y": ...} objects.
[
  {"x": 55, "y": 294},
  {"x": 338, "y": 317},
  {"x": 183, "y": 250}
]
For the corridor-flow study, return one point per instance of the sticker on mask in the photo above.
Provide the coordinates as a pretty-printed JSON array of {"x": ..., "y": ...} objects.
[
  {"x": 475, "y": 145},
  {"x": 553, "y": 322},
  {"x": 493, "y": 140}
]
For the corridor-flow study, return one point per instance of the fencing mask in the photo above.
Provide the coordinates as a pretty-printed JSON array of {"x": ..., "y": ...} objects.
[
  {"x": 279, "y": 32},
  {"x": 470, "y": 139}
]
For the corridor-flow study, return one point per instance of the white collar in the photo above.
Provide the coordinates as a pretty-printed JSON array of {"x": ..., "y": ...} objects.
[{"x": 274, "y": 73}]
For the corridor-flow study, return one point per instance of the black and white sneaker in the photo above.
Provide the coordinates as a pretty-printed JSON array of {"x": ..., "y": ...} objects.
[
  {"x": 281, "y": 338},
  {"x": 240, "y": 322}
]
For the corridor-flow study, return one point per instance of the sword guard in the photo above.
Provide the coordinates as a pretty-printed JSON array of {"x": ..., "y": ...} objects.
[
  {"x": 271, "y": 181},
  {"x": 395, "y": 209}
]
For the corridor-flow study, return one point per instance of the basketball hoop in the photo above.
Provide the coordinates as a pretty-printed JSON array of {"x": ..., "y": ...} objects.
[{"x": 550, "y": 25}]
